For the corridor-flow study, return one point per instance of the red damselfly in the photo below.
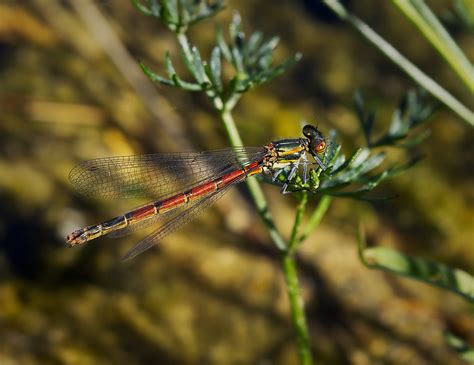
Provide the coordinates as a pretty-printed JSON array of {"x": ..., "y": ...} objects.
[{"x": 185, "y": 184}]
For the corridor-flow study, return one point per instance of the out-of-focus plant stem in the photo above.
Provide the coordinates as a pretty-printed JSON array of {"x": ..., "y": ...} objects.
[
  {"x": 316, "y": 217},
  {"x": 290, "y": 271},
  {"x": 302, "y": 200},
  {"x": 414, "y": 72},
  {"x": 428, "y": 24},
  {"x": 298, "y": 316}
]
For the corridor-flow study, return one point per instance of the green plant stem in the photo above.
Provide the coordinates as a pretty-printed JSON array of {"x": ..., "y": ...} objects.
[
  {"x": 289, "y": 265},
  {"x": 303, "y": 199},
  {"x": 298, "y": 316},
  {"x": 414, "y": 72},
  {"x": 316, "y": 217},
  {"x": 253, "y": 185},
  {"x": 428, "y": 24}
]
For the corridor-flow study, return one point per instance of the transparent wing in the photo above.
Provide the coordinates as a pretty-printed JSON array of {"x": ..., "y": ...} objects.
[
  {"x": 177, "y": 221},
  {"x": 160, "y": 175}
]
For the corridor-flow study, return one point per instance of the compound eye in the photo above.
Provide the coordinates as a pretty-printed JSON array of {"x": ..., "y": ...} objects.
[
  {"x": 320, "y": 147},
  {"x": 309, "y": 131}
]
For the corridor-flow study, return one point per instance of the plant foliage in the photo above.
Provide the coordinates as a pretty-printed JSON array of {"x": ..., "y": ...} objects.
[
  {"x": 178, "y": 15},
  {"x": 250, "y": 58},
  {"x": 431, "y": 272}
]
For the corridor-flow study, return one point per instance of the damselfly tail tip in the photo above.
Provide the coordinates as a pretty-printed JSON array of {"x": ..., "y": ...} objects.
[{"x": 75, "y": 238}]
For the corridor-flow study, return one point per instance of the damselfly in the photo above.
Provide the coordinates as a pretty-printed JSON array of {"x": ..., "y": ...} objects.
[{"x": 185, "y": 184}]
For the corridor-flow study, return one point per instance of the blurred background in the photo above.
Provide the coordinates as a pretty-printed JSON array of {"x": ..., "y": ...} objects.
[{"x": 213, "y": 293}]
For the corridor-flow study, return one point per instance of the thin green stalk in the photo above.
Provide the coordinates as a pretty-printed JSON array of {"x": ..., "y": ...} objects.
[
  {"x": 316, "y": 217},
  {"x": 428, "y": 24},
  {"x": 289, "y": 265},
  {"x": 298, "y": 316},
  {"x": 253, "y": 185},
  {"x": 414, "y": 72},
  {"x": 303, "y": 199}
]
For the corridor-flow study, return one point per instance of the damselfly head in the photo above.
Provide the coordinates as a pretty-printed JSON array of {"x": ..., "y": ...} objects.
[{"x": 317, "y": 143}]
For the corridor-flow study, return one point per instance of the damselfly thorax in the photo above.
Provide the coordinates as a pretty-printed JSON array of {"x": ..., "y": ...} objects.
[{"x": 185, "y": 184}]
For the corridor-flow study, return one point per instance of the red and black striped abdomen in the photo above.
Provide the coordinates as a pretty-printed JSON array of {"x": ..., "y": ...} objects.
[{"x": 162, "y": 206}]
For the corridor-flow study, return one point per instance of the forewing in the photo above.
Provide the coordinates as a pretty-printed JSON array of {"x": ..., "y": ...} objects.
[{"x": 159, "y": 175}]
